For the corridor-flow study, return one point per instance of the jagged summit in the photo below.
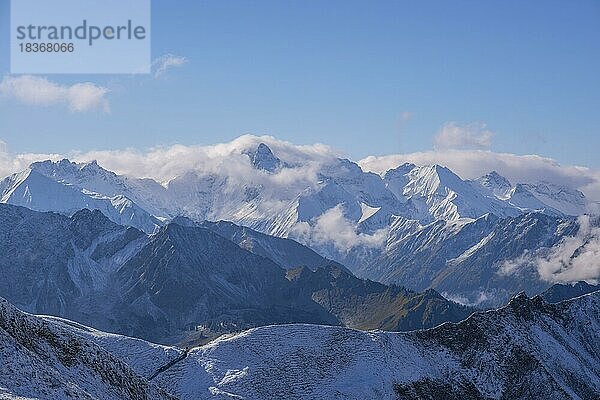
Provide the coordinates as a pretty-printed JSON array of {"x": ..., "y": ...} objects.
[
  {"x": 66, "y": 187},
  {"x": 400, "y": 170},
  {"x": 443, "y": 193},
  {"x": 66, "y": 167},
  {"x": 494, "y": 176},
  {"x": 495, "y": 183},
  {"x": 434, "y": 180},
  {"x": 264, "y": 159}
]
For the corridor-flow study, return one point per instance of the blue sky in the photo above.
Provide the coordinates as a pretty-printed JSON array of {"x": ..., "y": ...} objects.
[{"x": 368, "y": 78}]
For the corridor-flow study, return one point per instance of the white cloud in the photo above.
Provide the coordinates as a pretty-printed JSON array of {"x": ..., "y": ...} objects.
[
  {"x": 478, "y": 298},
  {"x": 513, "y": 266},
  {"x": 10, "y": 163},
  {"x": 38, "y": 91},
  {"x": 227, "y": 164},
  {"x": 229, "y": 161},
  {"x": 462, "y": 137},
  {"x": 223, "y": 159},
  {"x": 165, "y": 62},
  {"x": 333, "y": 227},
  {"x": 574, "y": 258},
  {"x": 165, "y": 163}
]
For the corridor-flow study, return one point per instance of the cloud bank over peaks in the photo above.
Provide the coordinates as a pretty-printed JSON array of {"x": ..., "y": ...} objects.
[
  {"x": 303, "y": 163},
  {"x": 471, "y": 164},
  {"x": 11, "y": 163},
  {"x": 231, "y": 159}
]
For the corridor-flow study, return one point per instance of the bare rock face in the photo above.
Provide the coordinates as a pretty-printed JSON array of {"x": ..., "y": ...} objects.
[{"x": 263, "y": 158}]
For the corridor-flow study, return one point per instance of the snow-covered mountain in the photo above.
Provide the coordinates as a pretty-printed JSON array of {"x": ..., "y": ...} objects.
[
  {"x": 264, "y": 159},
  {"x": 445, "y": 195},
  {"x": 526, "y": 350},
  {"x": 66, "y": 187},
  {"x": 365, "y": 221},
  {"x": 494, "y": 184},
  {"x": 278, "y": 196},
  {"x": 468, "y": 260},
  {"x": 529, "y": 349},
  {"x": 567, "y": 201},
  {"x": 541, "y": 196}
]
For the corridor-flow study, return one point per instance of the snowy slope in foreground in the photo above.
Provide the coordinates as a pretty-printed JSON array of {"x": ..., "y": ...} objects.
[
  {"x": 526, "y": 350},
  {"x": 529, "y": 349},
  {"x": 143, "y": 357},
  {"x": 42, "y": 360}
]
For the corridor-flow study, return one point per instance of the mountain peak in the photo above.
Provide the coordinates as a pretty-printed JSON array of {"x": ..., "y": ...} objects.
[
  {"x": 88, "y": 224},
  {"x": 43, "y": 164},
  {"x": 399, "y": 171},
  {"x": 65, "y": 167},
  {"x": 263, "y": 158},
  {"x": 49, "y": 163},
  {"x": 90, "y": 165},
  {"x": 443, "y": 174},
  {"x": 430, "y": 179},
  {"x": 496, "y": 177},
  {"x": 495, "y": 183},
  {"x": 438, "y": 167}
]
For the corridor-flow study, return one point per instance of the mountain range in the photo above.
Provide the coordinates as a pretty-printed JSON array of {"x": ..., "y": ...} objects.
[
  {"x": 422, "y": 193},
  {"x": 290, "y": 274},
  {"x": 190, "y": 282},
  {"x": 420, "y": 227}
]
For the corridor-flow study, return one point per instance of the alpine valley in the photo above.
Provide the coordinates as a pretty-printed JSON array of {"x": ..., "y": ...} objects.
[{"x": 265, "y": 270}]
